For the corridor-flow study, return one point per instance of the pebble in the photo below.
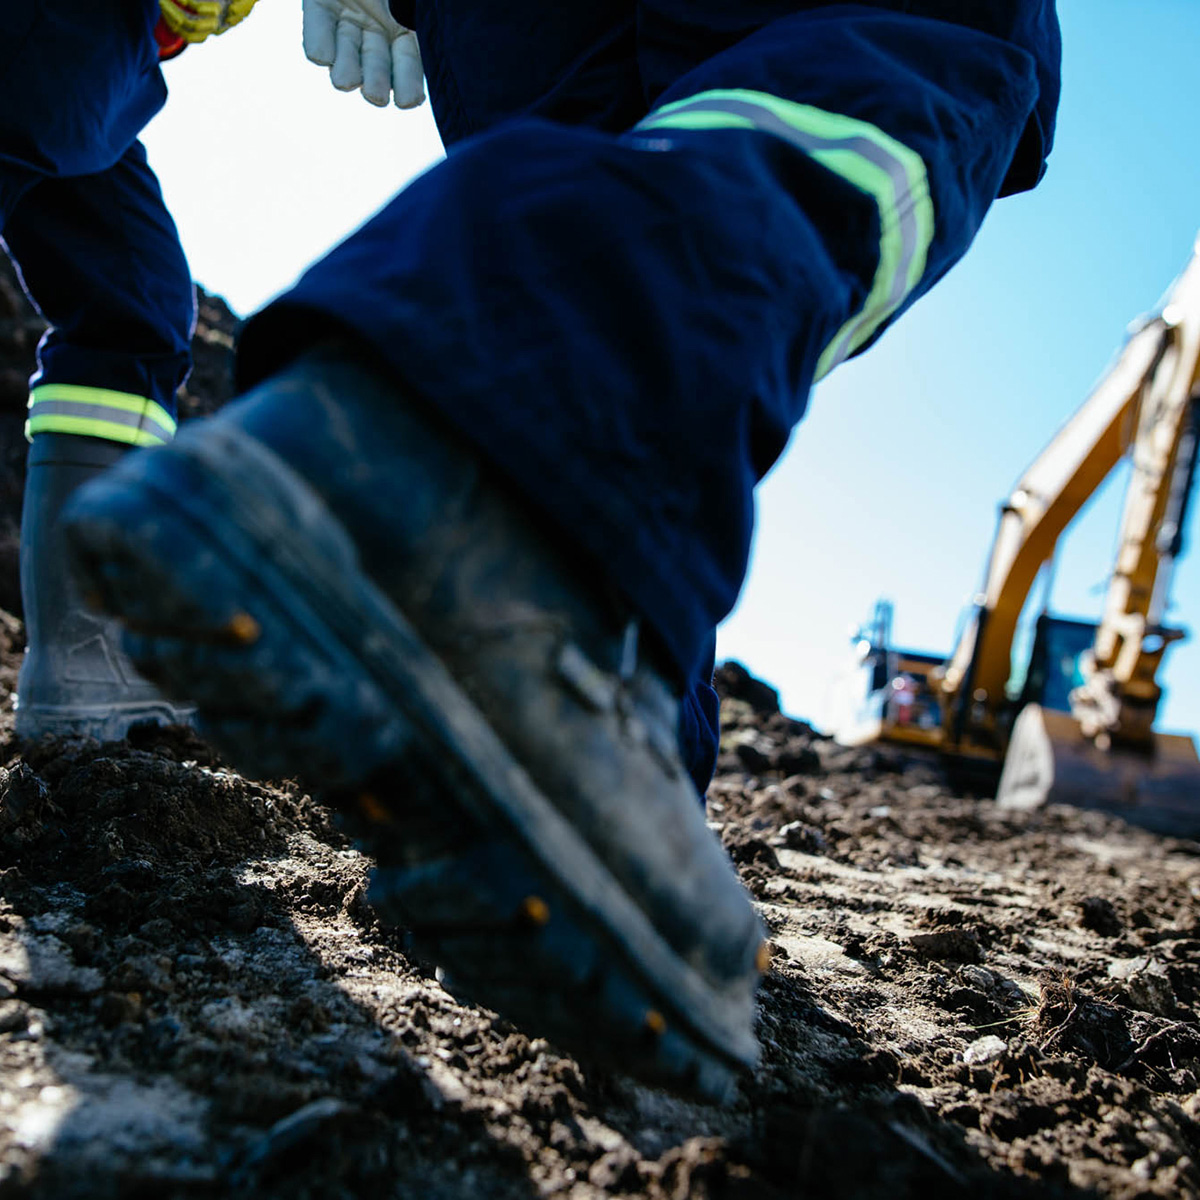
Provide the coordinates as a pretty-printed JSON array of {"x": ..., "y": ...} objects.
[
  {"x": 1146, "y": 984},
  {"x": 985, "y": 1050},
  {"x": 978, "y": 976}
]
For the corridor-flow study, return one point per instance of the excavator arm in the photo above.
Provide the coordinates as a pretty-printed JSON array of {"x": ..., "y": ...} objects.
[
  {"x": 1119, "y": 697},
  {"x": 1104, "y": 753},
  {"x": 1046, "y": 499}
]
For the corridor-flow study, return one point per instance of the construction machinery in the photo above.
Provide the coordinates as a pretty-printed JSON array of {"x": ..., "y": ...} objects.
[{"x": 1075, "y": 720}]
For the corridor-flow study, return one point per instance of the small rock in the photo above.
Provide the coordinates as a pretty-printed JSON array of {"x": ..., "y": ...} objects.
[
  {"x": 142, "y": 973},
  {"x": 958, "y": 945},
  {"x": 229, "y": 1018},
  {"x": 289, "y": 1132},
  {"x": 1013, "y": 992},
  {"x": 797, "y": 758},
  {"x": 745, "y": 850},
  {"x": 985, "y": 1050},
  {"x": 160, "y": 931},
  {"x": 797, "y": 835},
  {"x": 1145, "y": 985},
  {"x": 118, "y": 1008},
  {"x": 754, "y": 755},
  {"x": 44, "y": 964},
  {"x": 978, "y": 977}
]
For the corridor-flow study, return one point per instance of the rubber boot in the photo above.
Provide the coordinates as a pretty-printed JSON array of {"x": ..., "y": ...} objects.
[
  {"x": 355, "y": 601},
  {"x": 75, "y": 680}
]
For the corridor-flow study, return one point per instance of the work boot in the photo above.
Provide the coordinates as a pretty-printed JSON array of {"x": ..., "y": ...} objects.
[
  {"x": 351, "y": 597},
  {"x": 74, "y": 680}
]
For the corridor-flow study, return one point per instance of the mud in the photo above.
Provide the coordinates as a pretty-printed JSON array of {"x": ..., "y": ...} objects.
[{"x": 196, "y": 1001}]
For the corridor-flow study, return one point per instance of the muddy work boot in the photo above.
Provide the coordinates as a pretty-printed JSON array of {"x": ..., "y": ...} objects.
[
  {"x": 74, "y": 681},
  {"x": 352, "y": 598}
]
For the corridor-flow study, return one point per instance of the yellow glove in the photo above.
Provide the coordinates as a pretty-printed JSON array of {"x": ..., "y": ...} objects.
[{"x": 194, "y": 20}]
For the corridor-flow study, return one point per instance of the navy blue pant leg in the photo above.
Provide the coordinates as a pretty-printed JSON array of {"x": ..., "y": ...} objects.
[
  {"x": 83, "y": 216},
  {"x": 578, "y": 65},
  {"x": 575, "y": 65},
  {"x": 628, "y": 325},
  {"x": 79, "y": 80},
  {"x": 100, "y": 257}
]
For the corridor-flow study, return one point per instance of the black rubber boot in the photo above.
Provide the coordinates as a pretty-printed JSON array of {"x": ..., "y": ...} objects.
[
  {"x": 353, "y": 600},
  {"x": 75, "y": 680}
]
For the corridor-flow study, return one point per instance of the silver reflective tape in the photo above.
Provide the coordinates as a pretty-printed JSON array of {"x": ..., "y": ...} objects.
[
  {"x": 769, "y": 122},
  {"x": 88, "y": 411}
]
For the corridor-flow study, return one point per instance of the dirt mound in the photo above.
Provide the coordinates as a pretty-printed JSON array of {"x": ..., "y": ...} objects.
[{"x": 195, "y": 1000}]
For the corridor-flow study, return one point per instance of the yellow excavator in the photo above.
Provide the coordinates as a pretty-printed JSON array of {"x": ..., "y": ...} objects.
[{"x": 1075, "y": 721}]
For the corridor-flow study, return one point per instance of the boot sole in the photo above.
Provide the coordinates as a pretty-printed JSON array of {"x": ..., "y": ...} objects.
[
  {"x": 241, "y": 590},
  {"x": 104, "y": 723}
]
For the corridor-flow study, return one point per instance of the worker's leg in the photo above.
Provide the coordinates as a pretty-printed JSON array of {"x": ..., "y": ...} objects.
[
  {"x": 100, "y": 257},
  {"x": 576, "y": 65},
  {"x": 562, "y": 360},
  {"x": 628, "y": 327}
]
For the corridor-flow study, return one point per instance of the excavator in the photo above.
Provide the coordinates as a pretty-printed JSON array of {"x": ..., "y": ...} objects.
[{"x": 1075, "y": 721}]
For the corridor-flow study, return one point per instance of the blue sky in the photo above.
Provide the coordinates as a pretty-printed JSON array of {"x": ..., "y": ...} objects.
[{"x": 891, "y": 484}]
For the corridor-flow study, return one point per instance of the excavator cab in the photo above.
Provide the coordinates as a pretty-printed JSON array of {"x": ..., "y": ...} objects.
[{"x": 1056, "y": 661}]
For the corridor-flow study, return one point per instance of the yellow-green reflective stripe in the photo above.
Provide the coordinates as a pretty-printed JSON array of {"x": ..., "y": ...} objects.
[
  {"x": 705, "y": 119},
  {"x": 862, "y": 154},
  {"x": 121, "y": 408},
  {"x": 91, "y": 427}
]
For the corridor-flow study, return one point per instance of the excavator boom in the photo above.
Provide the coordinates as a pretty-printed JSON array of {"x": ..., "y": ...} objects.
[
  {"x": 1084, "y": 729},
  {"x": 1106, "y": 752}
]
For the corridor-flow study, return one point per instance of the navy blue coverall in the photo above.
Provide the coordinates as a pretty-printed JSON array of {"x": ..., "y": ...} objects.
[
  {"x": 83, "y": 217},
  {"x": 659, "y": 222}
]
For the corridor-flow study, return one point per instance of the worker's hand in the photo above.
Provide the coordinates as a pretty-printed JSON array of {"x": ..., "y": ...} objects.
[
  {"x": 364, "y": 47},
  {"x": 194, "y": 20}
]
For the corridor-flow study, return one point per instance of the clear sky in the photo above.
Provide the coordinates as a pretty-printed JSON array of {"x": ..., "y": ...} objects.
[{"x": 891, "y": 484}]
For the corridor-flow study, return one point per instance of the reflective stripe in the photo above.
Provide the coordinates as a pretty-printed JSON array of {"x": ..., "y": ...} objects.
[
  {"x": 98, "y": 412},
  {"x": 862, "y": 154}
]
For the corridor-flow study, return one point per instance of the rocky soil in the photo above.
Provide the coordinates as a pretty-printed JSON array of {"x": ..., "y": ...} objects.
[{"x": 196, "y": 1001}]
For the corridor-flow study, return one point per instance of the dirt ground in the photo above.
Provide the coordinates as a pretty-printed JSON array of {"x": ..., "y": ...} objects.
[{"x": 196, "y": 1001}]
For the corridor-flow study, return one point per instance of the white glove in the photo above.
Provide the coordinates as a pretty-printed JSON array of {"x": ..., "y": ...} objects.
[{"x": 363, "y": 47}]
